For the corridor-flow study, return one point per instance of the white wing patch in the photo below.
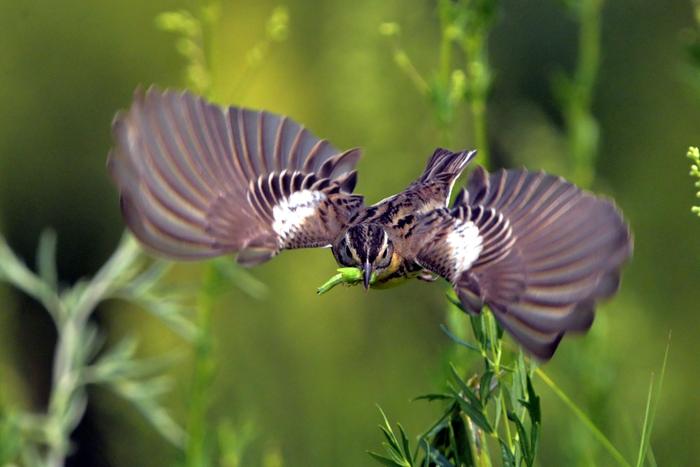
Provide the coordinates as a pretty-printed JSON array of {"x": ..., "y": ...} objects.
[
  {"x": 465, "y": 244},
  {"x": 291, "y": 213}
]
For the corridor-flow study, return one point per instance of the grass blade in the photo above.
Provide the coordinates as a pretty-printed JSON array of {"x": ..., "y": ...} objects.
[
  {"x": 650, "y": 410},
  {"x": 595, "y": 431}
]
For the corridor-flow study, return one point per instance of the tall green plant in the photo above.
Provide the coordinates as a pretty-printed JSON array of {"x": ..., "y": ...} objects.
[
  {"x": 43, "y": 439},
  {"x": 694, "y": 156},
  {"x": 496, "y": 409},
  {"x": 462, "y": 75},
  {"x": 80, "y": 359},
  {"x": 575, "y": 92},
  {"x": 491, "y": 412},
  {"x": 194, "y": 31}
]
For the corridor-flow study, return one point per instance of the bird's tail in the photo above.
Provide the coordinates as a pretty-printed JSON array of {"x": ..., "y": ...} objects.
[{"x": 445, "y": 165}]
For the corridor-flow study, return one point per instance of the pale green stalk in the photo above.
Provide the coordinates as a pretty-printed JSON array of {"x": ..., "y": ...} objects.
[
  {"x": 582, "y": 128},
  {"x": 587, "y": 422},
  {"x": 77, "y": 341},
  {"x": 694, "y": 156},
  {"x": 650, "y": 411}
]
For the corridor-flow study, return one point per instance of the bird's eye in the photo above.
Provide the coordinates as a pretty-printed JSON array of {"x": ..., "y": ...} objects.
[
  {"x": 385, "y": 258},
  {"x": 345, "y": 256}
]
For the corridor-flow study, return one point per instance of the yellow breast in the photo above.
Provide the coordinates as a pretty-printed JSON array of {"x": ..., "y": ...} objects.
[{"x": 384, "y": 279}]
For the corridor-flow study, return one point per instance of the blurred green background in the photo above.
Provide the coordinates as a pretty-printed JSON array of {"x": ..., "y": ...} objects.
[{"x": 307, "y": 371}]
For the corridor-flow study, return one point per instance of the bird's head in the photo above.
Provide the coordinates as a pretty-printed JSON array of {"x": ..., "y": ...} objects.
[{"x": 366, "y": 246}]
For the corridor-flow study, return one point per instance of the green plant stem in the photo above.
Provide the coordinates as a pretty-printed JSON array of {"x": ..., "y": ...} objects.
[
  {"x": 16, "y": 273},
  {"x": 196, "y": 454},
  {"x": 504, "y": 410},
  {"x": 595, "y": 431},
  {"x": 478, "y": 77},
  {"x": 645, "y": 424},
  {"x": 588, "y": 49},
  {"x": 650, "y": 411},
  {"x": 582, "y": 127},
  {"x": 478, "y": 110},
  {"x": 444, "y": 115},
  {"x": 67, "y": 400}
]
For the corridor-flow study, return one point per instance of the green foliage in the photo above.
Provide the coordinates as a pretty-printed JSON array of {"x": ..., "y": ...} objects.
[
  {"x": 203, "y": 447},
  {"x": 44, "y": 439},
  {"x": 463, "y": 75},
  {"x": 79, "y": 358},
  {"x": 692, "y": 48},
  {"x": 494, "y": 413},
  {"x": 583, "y": 418},
  {"x": 575, "y": 93},
  {"x": 191, "y": 30},
  {"x": 276, "y": 31},
  {"x": 23, "y": 436},
  {"x": 694, "y": 156},
  {"x": 503, "y": 389},
  {"x": 399, "y": 450},
  {"x": 653, "y": 397}
]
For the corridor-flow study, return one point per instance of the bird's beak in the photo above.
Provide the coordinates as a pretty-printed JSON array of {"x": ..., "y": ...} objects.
[{"x": 368, "y": 274}]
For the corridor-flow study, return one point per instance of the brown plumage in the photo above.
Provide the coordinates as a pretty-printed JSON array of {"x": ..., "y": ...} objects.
[{"x": 198, "y": 180}]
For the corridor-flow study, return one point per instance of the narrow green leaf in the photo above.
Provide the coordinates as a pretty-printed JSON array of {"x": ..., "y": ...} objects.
[
  {"x": 459, "y": 341},
  {"x": 433, "y": 397},
  {"x": 391, "y": 439},
  {"x": 465, "y": 390},
  {"x": 533, "y": 409},
  {"x": 533, "y": 406},
  {"x": 485, "y": 386},
  {"x": 476, "y": 414},
  {"x": 404, "y": 443},
  {"x": 454, "y": 300},
  {"x": 46, "y": 258},
  {"x": 478, "y": 329},
  {"x": 234, "y": 274},
  {"x": 441, "y": 422},
  {"x": 534, "y": 439},
  {"x": 439, "y": 459},
  {"x": 384, "y": 460},
  {"x": 499, "y": 331},
  {"x": 506, "y": 454},
  {"x": 523, "y": 441},
  {"x": 650, "y": 410},
  {"x": 604, "y": 441},
  {"x": 460, "y": 440}
]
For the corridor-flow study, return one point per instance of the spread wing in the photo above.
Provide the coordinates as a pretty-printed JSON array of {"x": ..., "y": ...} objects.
[
  {"x": 535, "y": 248},
  {"x": 198, "y": 180}
]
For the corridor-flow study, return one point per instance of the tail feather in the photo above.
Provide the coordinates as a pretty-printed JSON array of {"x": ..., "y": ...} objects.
[{"x": 445, "y": 164}]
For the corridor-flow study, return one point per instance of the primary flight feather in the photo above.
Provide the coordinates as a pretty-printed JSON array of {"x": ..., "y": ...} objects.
[{"x": 198, "y": 180}]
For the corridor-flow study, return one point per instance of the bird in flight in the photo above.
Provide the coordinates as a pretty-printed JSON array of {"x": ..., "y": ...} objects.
[{"x": 198, "y": 180}]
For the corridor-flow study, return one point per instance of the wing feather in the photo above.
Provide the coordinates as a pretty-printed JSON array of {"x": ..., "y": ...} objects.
[
  {"x": 548, "y": 252},
  {"x": 197, "y": 180}
]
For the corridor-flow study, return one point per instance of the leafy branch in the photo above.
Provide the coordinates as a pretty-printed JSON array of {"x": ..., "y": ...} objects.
[
  {"x": 575, "y": 93},
  {"x": 79, "y": 360},
  {"x": 493, "y": 412},
  {"x": 193, "y": 30},
  {"x": 463, "y": 74},
  {"x": 694, "y": 156}
]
